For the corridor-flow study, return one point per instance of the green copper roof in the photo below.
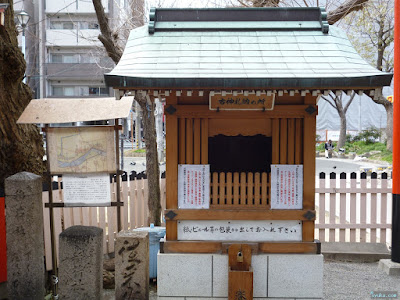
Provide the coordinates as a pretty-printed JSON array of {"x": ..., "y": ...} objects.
[{"x": 296, "y": 51}]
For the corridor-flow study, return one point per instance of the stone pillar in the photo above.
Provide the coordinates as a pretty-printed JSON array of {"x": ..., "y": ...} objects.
[
  {"x": 25, "y": 243},
  {"x": 80, "y": 270},
  {"x": 132, "y": 265}
]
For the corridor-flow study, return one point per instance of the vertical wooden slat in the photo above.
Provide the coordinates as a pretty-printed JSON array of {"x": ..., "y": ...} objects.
[
  {"x": 268, "y": 190},
  {"x": 373, "y": 208},
  {"x": 229, "y": 199},
  {"x": 290, "y": 141},
  {"x": 384, "y": 184},
  {"x": 353, "y": 206},
  {"x": 298, "y": 156},
  {"x": 309, "y": 132},
  {"x": 257, "y": 199},
  {"x": 67, "y": 212},
  {"x": 182, "y": 139},
  {"x": 112, "y": 227},
  {"x": 275, "y": 141},
  {"x": 140, "y": 202},
  {"x": 196, "y": 142},
  {"x": 171, "y": 168},
  {"x": 162, "y": 193},
  {"x": 342, "y": 232},
  {"x": 85, "y": 216},
  {"x": 235, "y": 188},
  {"x": 243, "y": 185},
  {"x": 102, "y": 224},
  {"x": 363, "y": 208},
  {"x": 189, "y": 141},
  {"x": 215, "y": 189},
  {"x": 332, "y": 209},
  {"x": 93, "y": 216},
  {"x": 47, "y": 240},
  {"x": 134, "y": 204},
  {"x": 322, "y": 200},
  {"x": 264, "y": 185},
  {"x": 146, "y": 203},
  {"x": 222, "y": 200},
  {"x": 125, "y": 208},
  {"x": 283, "y": 143},
  {"x": 204, "y": 141},
  {"x": 77, "y": 216},
  {"x": 250, "y": 185}
]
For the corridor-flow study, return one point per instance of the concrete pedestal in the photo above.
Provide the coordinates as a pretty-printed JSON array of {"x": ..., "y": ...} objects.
[
  {"x": 205, "y": 276},
  {"x": 389, "y": 267}
]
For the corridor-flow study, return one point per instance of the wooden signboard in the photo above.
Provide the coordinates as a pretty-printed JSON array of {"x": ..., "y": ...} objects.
[
  {"x": 81, "y": 149},
  {"x": 239, "y": 101}
]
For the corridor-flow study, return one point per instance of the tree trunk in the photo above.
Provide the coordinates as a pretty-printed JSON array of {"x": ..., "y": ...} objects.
[
  {"x": 21, "y": 146},
  {"x": 389, "y": 125},
  {"x": 343, "y": 128},
  {"x": 152, "y": 168}
]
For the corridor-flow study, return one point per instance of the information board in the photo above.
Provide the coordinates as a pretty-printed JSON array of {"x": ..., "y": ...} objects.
[
  {"x": 238, "y": 230},
  {"x": 81, "y": 149},
  {"x": 193, "y": 186},
  {"x": 86, "y": 189},
  {"x": 286, "y": 186}
]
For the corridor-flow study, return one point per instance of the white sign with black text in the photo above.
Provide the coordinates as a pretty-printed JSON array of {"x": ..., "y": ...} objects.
[
  {"x": 193, "y": 186},
  {"x": 239, "y": 230},
  {"x": 286, "y": 186},
  {"x": 86, "y": 189}
]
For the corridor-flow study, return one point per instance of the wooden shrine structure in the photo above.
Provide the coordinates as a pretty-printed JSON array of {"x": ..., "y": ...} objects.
[{"x": 241, "y": 89}]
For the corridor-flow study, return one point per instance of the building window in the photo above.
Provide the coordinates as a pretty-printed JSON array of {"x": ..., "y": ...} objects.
[
  {"x": 63, "y": 91},
  {"x": 88, "y": 25},
  {"x": 73, "y": 58},
  {"x": 98, "y": 91},
  {"x": 62, "y": 25}
]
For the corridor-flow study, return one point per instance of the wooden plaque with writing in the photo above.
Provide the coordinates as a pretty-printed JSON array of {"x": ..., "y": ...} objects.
[{"x": 242, "y": 102}]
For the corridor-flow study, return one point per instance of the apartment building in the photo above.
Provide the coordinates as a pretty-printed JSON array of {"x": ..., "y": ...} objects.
[{"x": 64, "y": 56}]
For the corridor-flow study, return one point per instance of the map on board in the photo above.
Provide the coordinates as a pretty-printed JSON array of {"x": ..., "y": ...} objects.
[{"x": 81, "y": 149}]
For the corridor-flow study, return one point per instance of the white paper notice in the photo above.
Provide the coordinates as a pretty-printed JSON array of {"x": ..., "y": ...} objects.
[
  {"x": 286, "y": 186},
  {"x": 194, "y": 186},
  {"x": 86, "y": 189},
  {"x": 249, "y": 231}
]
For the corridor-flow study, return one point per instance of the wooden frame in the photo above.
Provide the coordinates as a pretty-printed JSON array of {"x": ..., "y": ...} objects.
[{"x": 292, "y": 128}]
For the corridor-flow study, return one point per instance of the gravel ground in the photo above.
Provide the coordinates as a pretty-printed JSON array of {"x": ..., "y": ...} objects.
[{"x": 346, "y": 280}]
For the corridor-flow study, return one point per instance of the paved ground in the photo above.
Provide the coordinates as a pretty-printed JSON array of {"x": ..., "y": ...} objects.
[
  {"x": 356, "y": 281},
  {"x": 339, "y": 165}
]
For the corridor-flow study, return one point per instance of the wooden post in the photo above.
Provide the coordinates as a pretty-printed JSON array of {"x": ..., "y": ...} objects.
[
  {"x": 309, "y": 133},
  {"x": 240, "y": 275},
  {"x": 171, "y": 168},
  {"x": 396, "y": 140}
]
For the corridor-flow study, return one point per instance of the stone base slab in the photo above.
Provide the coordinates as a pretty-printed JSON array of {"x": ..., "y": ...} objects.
[
  {"x": 205, "y": 276},
  {"x": 389, "y": 267}
]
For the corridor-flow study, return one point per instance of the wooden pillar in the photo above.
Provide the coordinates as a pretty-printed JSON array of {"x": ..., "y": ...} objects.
[
  {"x": 309, "y": 136},
  {"x": 171, "y": 123}
]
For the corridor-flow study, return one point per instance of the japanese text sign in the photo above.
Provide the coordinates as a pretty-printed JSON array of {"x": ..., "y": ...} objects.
[
  {"x": 286, "y": 186},
  {"x": 194, "y": 186}
]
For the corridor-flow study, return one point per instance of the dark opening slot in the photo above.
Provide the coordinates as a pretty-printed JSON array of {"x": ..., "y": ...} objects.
[{"x": 240, "y": 153}]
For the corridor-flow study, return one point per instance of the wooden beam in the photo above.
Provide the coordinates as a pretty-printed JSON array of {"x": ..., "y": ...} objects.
[
  {"x": 220, "y": 247},
  {"x": 280, "y": 111},
  {"x": 235, "y": 214}
]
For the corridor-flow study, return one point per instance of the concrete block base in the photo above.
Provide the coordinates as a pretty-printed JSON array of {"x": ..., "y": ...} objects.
[
  {"x": 205, "y": 276},
  {"x": 389, "y": 267}
]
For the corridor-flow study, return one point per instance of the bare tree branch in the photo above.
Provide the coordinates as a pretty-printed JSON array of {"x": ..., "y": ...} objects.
[
  {"x": 108, "y": 39},
  {"x": 327, "y": 100},
  {"x": 349, "y": 102},
  {"x": 344, "y": 9}
]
